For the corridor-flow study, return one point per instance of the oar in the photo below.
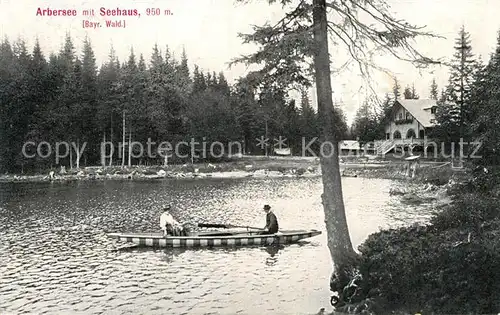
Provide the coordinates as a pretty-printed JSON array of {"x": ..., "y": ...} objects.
[{"x": 226, "y": 226}]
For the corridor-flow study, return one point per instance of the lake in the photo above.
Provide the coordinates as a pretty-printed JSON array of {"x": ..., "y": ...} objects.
[{"x": 55, "y": 257}]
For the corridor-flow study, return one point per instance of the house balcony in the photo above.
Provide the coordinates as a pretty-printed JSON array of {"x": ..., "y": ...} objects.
[
  {"x": 409, "y": 141},
  {"x": 404, "y": 121}
]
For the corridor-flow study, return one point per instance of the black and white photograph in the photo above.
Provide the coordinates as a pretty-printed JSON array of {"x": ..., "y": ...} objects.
[{"x": 247, "y": 157}]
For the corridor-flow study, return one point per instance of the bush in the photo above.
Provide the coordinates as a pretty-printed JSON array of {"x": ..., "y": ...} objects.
[
  {"x": 448, "y": 266},
  {"x": 435, "y": 176},
  {"x": 423, "y": 269},
  {"x": 471, "y": 211}
]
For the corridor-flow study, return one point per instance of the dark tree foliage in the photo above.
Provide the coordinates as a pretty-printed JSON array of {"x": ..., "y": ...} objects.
[
  {"x": 453, "y": 109},
  {"x": 434, "y": 90},
  {"x": 410, "y": 93},
  {"x": 484, "y": 110},
  {"x": 66, "y": 97},
  {"x": 396, "y": 89}
]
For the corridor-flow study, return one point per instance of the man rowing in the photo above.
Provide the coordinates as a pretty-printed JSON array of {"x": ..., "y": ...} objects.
[
  {"x": 271, "y": 221},
  {"x": 169, "y": 225}
]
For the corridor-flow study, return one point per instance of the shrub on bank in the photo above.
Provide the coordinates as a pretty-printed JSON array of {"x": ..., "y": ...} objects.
[
  {"x": 436, "y": 176},
  {"x": 421, "y": 269},
  {"x": 448, "y": 266}
]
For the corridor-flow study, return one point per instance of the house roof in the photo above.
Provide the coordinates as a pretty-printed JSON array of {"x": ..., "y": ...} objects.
[{"x": 420, "y": 110}]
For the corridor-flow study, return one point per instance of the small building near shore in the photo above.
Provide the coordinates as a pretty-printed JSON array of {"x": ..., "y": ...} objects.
[
  {"x": 349, "y": 147},
  {"x": 283, "y": 152}
]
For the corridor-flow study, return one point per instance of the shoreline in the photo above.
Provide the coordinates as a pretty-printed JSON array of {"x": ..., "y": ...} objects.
[{"x": 255, "y": 167}]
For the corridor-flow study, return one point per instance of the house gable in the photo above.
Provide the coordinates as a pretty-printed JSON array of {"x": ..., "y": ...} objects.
[
  {"x": 422, "y": 110},
  {"x": 410, "y": 119}
]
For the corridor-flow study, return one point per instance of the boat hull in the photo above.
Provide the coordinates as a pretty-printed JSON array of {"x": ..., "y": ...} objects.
[{"x": 241, "y": 239}]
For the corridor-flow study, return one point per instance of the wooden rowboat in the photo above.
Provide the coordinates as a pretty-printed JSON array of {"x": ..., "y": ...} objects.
[{"x": 215, "y": 238}]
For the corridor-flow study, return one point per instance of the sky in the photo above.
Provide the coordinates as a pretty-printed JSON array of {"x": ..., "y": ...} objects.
[{"x": 208, "y": 31}]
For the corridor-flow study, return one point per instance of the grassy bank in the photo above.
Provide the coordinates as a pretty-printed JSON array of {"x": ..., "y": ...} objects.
[{"x": 449, "y": 266}]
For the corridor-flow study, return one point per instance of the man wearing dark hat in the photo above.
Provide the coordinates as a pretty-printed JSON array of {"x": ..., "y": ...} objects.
[{"x": 271, "y": 221}]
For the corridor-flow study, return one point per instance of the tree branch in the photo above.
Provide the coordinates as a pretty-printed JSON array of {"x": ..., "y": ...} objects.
[{"x": 286, "y": 47}]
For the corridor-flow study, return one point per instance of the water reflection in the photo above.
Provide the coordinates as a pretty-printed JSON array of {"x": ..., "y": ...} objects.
[
  {"x": 55, "y": 256},
  {"x": 171, "y": 253},
  {"x": 273, "y": 254}
]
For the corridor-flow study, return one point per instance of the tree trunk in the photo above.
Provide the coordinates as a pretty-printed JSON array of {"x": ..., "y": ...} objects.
[
  {"x": 71, "y": 158},
  {"x": 123, "y": 140},
  {"x": 129, "y": 148},
  {"x": 266, "y": 138},
  {"x": 103, "y": 154},
  {"x": 78, "y": 154},
  {"x": 111, "y": 140},
  {"x": 339, "y": 242}
]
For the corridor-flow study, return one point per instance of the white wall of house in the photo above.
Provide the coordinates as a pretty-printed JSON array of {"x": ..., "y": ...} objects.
[{"x": 403, "y": 128}]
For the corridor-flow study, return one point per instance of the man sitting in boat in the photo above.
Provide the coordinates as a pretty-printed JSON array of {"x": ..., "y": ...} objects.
[
  {"x": 271, "y": 221},
  {"x": 169, "y": 225}
]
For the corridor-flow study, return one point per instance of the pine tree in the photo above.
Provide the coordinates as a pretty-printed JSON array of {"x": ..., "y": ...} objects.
[
  {"x": 285, "y": 50},
  {"x": 434, "y": 90},
  {"x": 410, "y": 93},
  {"x": 246, "y": 109},
  {"x": 461, "y": 78},
  {"x": 396, "y": 89},
  {"x": 222, "y": 85},
  {"x": 109, "y": 100},
  {"x": 485, "y": 108},
  {"x": 385, "y": 111},
  {"x": 208, "y": 80},
  {"x": 86, "y": 128},
  {"x": 199, "y": 83},
  {"x": 183, "y": 75},
  {"x": 414, "y": 95},
  {"x": 365, "y": 125},
  {"x": 407, "y": 93},
  {"x": 308, "y": 117},
  {"x": 67, "y": 54}
]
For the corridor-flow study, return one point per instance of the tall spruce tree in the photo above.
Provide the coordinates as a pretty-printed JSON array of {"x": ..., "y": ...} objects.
[
  {"x": 365, "y": 126},
  {"x": 286, "y": 51},
  {"x": 485, "y": 109},
  {"x": 460, "y": 81},
  {"x": 396, "y": 89},
  {"x": 433, "y": 93}
]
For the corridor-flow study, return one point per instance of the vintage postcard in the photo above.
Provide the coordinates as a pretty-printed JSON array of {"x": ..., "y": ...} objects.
[{"x": 249, "y": 157}]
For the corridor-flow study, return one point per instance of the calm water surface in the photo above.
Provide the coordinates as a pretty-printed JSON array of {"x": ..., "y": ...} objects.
[{"x": 55, "y": 257}]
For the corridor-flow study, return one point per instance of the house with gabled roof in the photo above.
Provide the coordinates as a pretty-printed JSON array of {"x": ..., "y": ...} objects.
[{"x": 411, "y": 121}]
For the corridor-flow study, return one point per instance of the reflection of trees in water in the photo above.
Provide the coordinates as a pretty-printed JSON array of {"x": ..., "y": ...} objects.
[{"x": 170, "y": 254}]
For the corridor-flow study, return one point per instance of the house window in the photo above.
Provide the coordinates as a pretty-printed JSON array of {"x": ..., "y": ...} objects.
[
  {"x": 408, "y": 116},
  {"x": 396, "y": 134},
  {"x": 400, "y": 115},
  {"x": 410, "y": 134},
  {"x": 387, "y": 136},
  {"x": 433, "y": 109}
]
